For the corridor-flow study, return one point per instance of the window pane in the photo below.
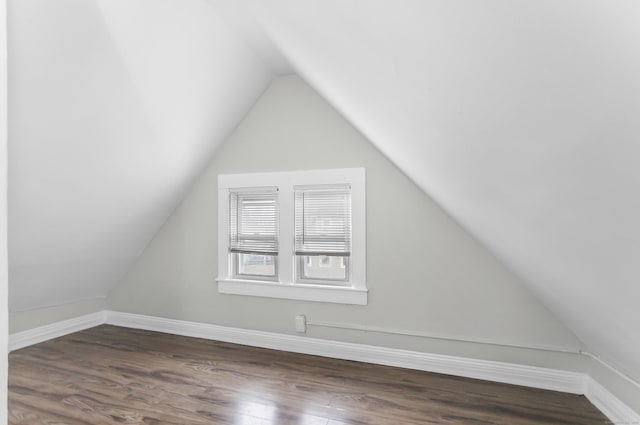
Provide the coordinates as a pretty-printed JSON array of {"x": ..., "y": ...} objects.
[
  {"x": 323, "y": 220},
  {"x": 256, "y": 265},
  {"x": 324, "y": 267},
  {"x": 253, "y": 222}
]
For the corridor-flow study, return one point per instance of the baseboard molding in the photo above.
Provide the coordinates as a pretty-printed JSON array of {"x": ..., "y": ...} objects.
[
  {"x": 614, "y": 409},
  {"x": 536, "y": 377},
  {"x": 44, "y": 333},
  {"x": 529, "y": 376}
]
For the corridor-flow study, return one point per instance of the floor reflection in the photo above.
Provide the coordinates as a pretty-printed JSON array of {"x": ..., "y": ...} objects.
[{"x": 256, "y": 413}]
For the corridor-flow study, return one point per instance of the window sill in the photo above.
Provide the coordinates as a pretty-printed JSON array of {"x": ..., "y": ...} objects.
[{"x": 299, "y": 291}]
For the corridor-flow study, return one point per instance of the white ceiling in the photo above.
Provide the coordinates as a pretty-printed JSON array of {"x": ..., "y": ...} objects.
[
  {"x": 110, "y": 120},
  {"x": 520, "y": 118}
]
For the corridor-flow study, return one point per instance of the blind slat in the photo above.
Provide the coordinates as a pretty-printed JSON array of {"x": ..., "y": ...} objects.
[
  {"x": 253, "y": 222},
  {"x": 323, "y": 220}
]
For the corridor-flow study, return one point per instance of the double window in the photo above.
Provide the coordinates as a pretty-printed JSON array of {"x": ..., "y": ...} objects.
[{"x": 298, "y": 235}]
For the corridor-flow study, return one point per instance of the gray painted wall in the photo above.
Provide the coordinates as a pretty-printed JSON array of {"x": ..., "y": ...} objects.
[
  {"x": 623, "y": 387},
  {"x": 29, "y": 319},
  {"x": 443, "y": 283}
]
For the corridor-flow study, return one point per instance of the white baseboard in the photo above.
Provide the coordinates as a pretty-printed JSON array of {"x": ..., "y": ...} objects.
[
  {"x": 44, "y": 333},
  {"x": 614, "y": 409},
  {"x": 529, "y": 376}
]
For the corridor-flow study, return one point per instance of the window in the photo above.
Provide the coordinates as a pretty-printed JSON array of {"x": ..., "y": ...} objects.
[
  {"x": 298, "y": 235},
  {"x": 322, "y": 232},
  {"x": 253, "y": 233}
]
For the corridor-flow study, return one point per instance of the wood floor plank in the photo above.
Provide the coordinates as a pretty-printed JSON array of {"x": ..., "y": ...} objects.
[{"x": 113, "y": 375}]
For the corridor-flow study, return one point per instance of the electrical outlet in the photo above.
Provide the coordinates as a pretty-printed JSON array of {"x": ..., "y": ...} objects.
[{"x": 301, "y": 323}]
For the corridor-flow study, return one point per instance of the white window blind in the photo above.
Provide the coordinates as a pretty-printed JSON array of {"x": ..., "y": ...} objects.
[
  {"x": 253, "y": 221},
  {"x": 323, "y": 220}
]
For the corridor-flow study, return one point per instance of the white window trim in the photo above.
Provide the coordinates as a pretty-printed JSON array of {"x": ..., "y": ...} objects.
[{"x": 287, "y": 288}]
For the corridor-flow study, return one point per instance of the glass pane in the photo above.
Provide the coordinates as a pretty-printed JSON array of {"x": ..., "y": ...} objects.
[
  {"x": 324, "y": 267},
  {"x": 323, "y": 220},
  {"x": 253, "y": 222},
  {"x": 256, "y": 265}
]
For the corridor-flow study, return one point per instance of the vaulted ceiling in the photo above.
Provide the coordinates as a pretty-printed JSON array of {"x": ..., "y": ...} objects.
[{"x": 520, "y": 118}]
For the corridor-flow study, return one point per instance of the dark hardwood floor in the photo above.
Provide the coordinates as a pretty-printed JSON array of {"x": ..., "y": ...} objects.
[{"x": 112, "y": 375}]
